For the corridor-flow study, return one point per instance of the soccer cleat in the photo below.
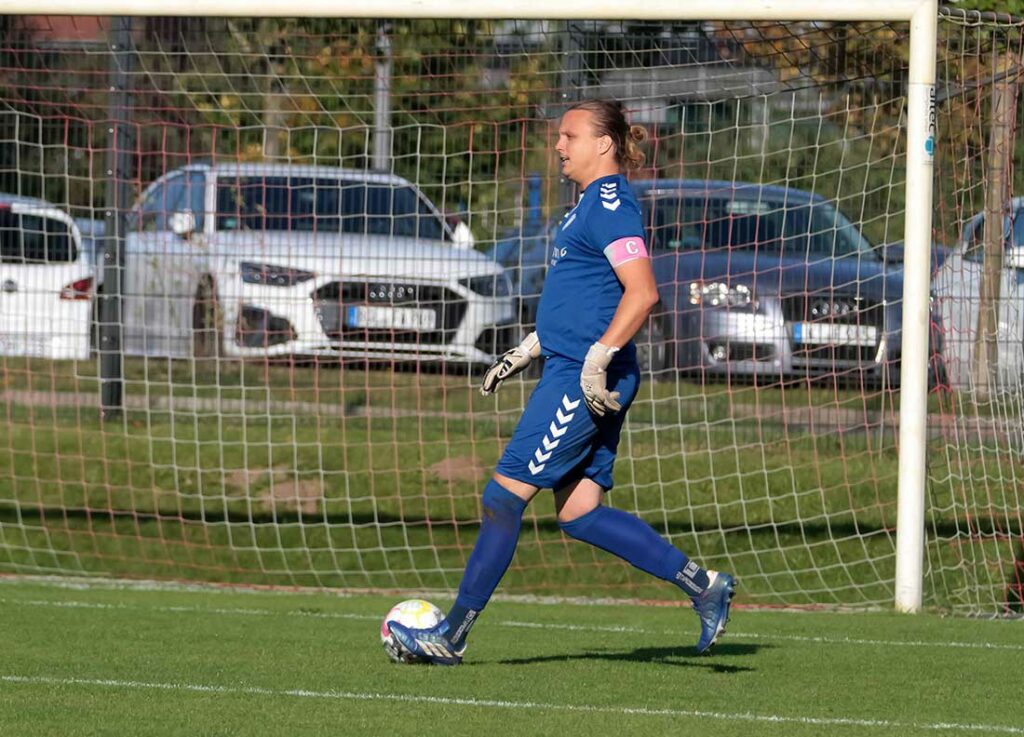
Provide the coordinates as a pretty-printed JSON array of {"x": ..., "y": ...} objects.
[
  {"x": 713, "y": 608},
  {"x": 430, "y": 645}
]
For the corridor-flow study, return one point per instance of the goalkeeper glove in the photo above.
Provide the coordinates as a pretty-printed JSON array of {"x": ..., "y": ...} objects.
[
  {"x": 593, "y": 380},
  {"x": 510, "y": 363}
]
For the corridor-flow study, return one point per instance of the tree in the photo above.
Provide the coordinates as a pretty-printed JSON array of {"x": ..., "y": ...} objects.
[{"x": 1003, "y": 7}]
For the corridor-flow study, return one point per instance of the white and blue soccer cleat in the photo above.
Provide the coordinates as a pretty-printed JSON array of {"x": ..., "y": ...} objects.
[
  {"x": 428, "y": 645},
  {"x": 712, "y": 607}
]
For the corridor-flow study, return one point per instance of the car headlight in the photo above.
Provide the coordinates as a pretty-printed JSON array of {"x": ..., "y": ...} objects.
[
  {"x": 492, "y": 285},
  {"x": 273, "y": 276},
  {"x": 720, "y": 294}
]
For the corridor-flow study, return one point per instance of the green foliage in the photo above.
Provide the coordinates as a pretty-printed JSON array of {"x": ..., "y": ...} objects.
[
  {"x": 1010, "y": 7},
  {"x": 456, "y": 134},
  {"x": 472, "y": 116}
]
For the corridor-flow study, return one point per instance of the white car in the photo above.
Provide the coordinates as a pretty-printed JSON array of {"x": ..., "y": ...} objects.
[
  {"x": 957, "y": 288},
  {"x": 46, "y": 282},
  {"x": 266, "y": 259}
]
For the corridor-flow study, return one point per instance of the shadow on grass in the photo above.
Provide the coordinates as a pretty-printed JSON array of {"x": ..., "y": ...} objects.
[
  {"x": 14, "y": 512},
  {"x": 676, "y": 656}
]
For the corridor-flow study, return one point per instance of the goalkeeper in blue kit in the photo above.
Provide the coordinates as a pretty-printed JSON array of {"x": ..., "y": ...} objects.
[{"x": 598, "y": 292}]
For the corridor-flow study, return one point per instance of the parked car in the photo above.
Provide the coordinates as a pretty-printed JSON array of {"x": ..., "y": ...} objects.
[
  {"x": 957, "y": 289},
  {"x": 46, "y": 282},
  {"x": 266, "y": 259},
  {"x": 894, "y": 253},
  {"x": 758, "y": 280},
  {"x": 523, "y": 253},
  {"x": 766, "y": 280},
  {"x": 93, "y": 232}
]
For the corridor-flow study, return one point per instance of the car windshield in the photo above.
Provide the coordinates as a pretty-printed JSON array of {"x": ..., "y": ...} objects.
[
  {"x": 304, "y": 204},
  {"x": 34, "y": 239},
  {"x": 805, "y": 230}
]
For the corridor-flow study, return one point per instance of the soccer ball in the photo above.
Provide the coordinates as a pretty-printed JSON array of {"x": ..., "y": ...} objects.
[{"x": 416, "y": 613}]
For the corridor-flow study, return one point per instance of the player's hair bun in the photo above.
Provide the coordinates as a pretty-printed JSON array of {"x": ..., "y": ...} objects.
[{"x": 633, "y": 158}]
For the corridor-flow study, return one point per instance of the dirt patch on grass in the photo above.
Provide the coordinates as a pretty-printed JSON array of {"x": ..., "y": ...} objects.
[
  {"x": 302, "y": 496},
  {"x": 281, "y": 491},
  {"x": 460, "y": 468},
  {"x": 241, "y": 481}
]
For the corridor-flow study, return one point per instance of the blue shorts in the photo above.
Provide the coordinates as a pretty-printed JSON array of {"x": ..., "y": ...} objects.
[{"x": 558, "y": 441}]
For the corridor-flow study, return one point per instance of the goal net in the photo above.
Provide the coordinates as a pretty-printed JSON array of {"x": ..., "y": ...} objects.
[{"x": 329, "y": 226}]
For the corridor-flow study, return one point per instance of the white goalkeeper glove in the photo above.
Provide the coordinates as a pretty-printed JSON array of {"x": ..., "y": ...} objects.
[
  {"x": 510, "y": 363},
  {"x": 593, "y": 380}
]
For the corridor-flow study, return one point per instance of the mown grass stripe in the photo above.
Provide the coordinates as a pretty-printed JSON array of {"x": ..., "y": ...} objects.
[
  {"x": 733, "y": 635},
  {"x": 897, "y": 726}
]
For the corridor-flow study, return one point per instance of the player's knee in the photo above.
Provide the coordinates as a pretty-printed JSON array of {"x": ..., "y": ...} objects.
[
  {"x": 571, "y": 513},
  {"x": 577, "y": 500},
  {"x": 524, "y": 491}
]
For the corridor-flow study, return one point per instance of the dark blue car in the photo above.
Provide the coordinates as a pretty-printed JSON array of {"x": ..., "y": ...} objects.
[{"x": 754, "y": 280}]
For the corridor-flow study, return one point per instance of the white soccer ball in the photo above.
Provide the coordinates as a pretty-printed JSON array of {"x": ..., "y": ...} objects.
[{"x": 416, "y": 613}]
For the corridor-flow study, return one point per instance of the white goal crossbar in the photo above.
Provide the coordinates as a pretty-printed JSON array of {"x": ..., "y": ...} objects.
[
  {"x": 827, "y": 10},
  {"x": 923, "y": 17}
]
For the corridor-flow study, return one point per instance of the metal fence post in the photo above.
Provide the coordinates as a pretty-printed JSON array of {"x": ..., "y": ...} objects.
[{"x": 118, "y": 199}]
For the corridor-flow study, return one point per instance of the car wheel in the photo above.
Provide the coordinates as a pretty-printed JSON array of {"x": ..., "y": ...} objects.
[
  {"x": 653, "y": 347},
  {"x": 207, "y": 322}
]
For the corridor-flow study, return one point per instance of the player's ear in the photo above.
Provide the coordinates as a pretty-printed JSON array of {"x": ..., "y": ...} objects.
[{"x": 605, "y": 144}]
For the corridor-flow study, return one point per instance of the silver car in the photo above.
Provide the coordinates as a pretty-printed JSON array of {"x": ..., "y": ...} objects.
[
  {"x": 269, "y": 260},
  {"x": 46, "y": 282},
  {"x": 957, "y": 289}
]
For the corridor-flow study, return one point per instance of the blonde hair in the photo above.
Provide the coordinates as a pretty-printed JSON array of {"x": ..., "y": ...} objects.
[{"x": 609, "y": 120}]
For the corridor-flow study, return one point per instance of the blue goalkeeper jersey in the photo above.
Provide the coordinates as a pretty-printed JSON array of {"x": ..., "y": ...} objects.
[{"x": 581, "y": 291}]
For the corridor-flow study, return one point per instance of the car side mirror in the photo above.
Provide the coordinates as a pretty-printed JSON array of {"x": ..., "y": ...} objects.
[
  {"x": 462, "y": 236},
  {"x": 182, "y": 223}
]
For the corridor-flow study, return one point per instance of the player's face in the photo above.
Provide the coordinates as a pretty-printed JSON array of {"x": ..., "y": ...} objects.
[{"x": 583, "y": 153}]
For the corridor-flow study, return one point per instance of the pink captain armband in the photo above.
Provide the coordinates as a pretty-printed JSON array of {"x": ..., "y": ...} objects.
[{"x": 624, "y": 250}]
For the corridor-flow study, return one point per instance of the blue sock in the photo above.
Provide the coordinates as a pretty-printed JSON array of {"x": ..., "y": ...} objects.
[
  {"x": 499, "y": 533},
  {"x": 636, "y": 542}
]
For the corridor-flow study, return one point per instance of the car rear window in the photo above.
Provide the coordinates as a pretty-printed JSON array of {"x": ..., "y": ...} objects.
[
  {"x": 34, "y": 239},
  {"x": 794, "y": 229},
  {"x": 302, "y": 204}
]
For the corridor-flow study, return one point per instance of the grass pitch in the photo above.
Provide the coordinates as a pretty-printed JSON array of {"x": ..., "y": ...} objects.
[{"x": 105, "y": 660}]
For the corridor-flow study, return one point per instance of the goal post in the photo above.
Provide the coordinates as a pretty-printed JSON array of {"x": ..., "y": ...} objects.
[
  {"x": 372, "y": 543},
  {"x": 743, "y": 10},
  {"x": 916, "y": 313}
]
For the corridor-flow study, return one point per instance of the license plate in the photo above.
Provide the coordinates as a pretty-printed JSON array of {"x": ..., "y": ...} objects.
[
  {"x": 390, "y": 318},
  {"x": 817, "y": 333}
]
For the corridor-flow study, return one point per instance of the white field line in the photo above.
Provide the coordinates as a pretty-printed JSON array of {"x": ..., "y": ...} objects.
[
  {"x": 102, "y": 583},
  {"x": 733, "y": 635},
  {"x": 78, "y": 583},
  {"x": 897, "y": 726}
]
